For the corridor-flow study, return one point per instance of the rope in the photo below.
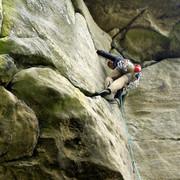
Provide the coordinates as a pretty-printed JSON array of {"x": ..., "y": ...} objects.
[{"x": 129, "y": 138}]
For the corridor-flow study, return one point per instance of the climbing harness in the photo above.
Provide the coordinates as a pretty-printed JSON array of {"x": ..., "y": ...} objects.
[{"x": 134, "y": 164}]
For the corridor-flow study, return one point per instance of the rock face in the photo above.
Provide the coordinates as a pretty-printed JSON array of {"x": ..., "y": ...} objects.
[
  {"x": 148, "y": 29},
  {"x": 50, "y": 126},
  {"x": 33, "y": 35},
  {"x": 7, "y": 69},
  {"x": 18, "y": 128},
  {"x": 153, "y": 119},
  {"x": 74, "y": 129},
  {"x": 78, "y": 134}
]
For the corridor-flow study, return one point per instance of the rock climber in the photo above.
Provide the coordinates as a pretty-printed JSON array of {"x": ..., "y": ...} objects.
[{"x": 124, "y": 72}]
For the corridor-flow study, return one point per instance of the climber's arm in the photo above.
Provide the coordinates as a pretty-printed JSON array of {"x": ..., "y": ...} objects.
[
  {"x": 107, "y": 55},
  {"x": 136, "y": 82}
]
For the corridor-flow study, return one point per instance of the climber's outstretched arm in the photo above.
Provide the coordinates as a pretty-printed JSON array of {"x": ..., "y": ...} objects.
[{"x": 107, "y": 55}]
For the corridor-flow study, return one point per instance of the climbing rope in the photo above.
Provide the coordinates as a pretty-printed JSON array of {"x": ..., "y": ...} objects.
[{"x": 129, "y": 138}]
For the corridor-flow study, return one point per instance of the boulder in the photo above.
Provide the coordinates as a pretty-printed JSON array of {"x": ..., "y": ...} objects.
[
  {"x": 18, "y": 128},
  {"x": 81, "y": 137}
]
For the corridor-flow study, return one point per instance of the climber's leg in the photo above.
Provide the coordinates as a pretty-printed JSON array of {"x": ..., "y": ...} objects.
[
  {"x": 119, "y": 83},
  {"x": 111, "y": 77}
]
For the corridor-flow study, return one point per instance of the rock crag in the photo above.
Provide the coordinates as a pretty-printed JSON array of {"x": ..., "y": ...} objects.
[{"x": 50, "y": 125}]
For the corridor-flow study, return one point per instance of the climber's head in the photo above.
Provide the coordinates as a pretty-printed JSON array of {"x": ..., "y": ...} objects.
[
  {"x": 137, "y": 68},
  {"x": 111, "y": 64}
]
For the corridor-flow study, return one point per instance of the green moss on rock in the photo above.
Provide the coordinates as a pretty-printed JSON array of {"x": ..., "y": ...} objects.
[
  {"x": 4, "y": 45},
  {"x": 49, "y": 94},
  {"x": 8, "y": 14}
]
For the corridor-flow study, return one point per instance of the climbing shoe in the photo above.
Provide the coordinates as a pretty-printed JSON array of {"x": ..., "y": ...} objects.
[{"x": 105, "y": 92}]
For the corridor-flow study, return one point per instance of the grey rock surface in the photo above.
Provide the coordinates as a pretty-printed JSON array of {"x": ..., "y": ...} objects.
[
  {"x": 152, "y": 112},
  {"x": 50, "y": 33}
]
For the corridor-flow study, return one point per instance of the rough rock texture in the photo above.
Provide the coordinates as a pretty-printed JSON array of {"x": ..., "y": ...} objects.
[
  {"x": 7, "y": 69},
  {"x": 148, "y": 29},
  {"x": 74, "y": 129},
  {"x": 18, "y": 128},
  {"x": 152, "y": 111},
  {"x": 101, "y": 39},
  {"x": 76, "y": 132},
  {"x": 33, "y": 35},
  {"x": 53, "y": 44}
]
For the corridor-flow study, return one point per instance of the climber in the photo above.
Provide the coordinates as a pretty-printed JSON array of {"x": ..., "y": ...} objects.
[{"x": 124, "y": 72}]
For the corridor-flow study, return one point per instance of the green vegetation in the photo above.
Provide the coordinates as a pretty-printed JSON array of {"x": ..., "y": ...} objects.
[{"x": 4, "y": 45}]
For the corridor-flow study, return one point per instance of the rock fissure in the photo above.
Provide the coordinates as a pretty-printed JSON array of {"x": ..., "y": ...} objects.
[
  {"x": 3, "y": 154},
  {"x": 173, "y": 28},
  {"x": 28, "y": 61},
  {"x": 122, "y": 52},
  {"x": 78, "y": 6},
  {"x": 24, "y": 158},
  {"x": 128, "y": 26}
]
